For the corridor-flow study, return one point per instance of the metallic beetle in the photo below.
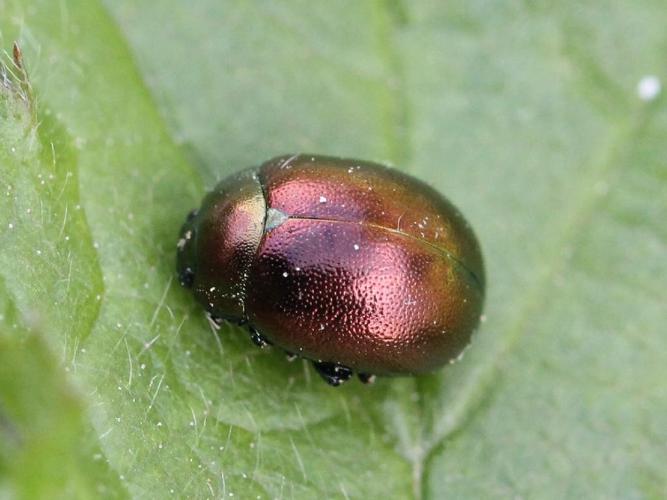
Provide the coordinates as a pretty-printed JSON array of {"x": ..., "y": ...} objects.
[{"x": 353, "y": 265}]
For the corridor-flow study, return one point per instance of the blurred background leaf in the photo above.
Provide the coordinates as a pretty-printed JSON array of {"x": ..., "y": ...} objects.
[{"x": 540, "y": 120}]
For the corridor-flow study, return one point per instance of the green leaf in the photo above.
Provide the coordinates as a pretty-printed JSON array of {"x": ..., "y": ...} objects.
[
  {"x": 49, "y": 449},
  {"x": 525, "y": 114}
]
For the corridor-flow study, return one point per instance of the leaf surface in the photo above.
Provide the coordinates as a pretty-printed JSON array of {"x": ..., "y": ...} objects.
[{"x": 525, "y": 115}]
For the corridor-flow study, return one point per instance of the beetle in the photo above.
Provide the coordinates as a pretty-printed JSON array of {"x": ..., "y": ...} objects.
[{"x": 353, "y": 265}]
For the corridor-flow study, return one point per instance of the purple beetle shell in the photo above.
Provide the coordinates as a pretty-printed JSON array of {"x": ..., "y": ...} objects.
[{"x": 340, "y": 261}]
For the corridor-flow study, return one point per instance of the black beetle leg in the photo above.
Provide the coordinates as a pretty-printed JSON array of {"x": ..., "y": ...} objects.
[
  {"x": 191, "y": 215},
  {"x": 257, "y": 338},
  {"x": 290, "y": 356},
  {"x": 186, "y": 277},
  {"x": 214, "y": 320},
  {"x": 366, "y": 378},
  {"x": 230, "y": 319},
  {"x": 333, "y": 373}
]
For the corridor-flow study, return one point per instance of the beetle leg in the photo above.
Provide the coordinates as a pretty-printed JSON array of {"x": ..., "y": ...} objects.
[
  {"x": 214, "y": 321},
  {"x": 290, "y": 356},
  {"x": 219, "y": 318},
  {"x": 366, "y": 378},
  {"x": 333, "y": 373},
  {"x": 187, "y": 277},
  {"x": 193, "y": 213},
  {"x": 257, "y": 338}
]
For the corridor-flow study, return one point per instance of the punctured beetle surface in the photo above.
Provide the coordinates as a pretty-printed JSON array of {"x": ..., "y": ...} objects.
[{"x": 351, "y": 264}]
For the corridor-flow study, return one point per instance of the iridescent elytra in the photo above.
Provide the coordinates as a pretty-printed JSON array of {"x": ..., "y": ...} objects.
[{"x": 355, "y": 266}]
